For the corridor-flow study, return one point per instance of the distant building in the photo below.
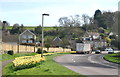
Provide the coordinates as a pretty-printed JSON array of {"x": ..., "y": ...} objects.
[
  {"x": 91, "y": 36},
  {"x": 57, "y": 42},
  {"x": 8, "y": 38},
  {"x": 27, "y": 37},
  {"x": 94, "y": 39}
]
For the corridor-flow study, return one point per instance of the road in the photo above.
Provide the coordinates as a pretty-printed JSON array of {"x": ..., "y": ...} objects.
[{"x": 92, "y": 65}]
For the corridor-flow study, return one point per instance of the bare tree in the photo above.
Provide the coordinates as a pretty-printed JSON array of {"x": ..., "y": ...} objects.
[{"x": 85, "y": 19}]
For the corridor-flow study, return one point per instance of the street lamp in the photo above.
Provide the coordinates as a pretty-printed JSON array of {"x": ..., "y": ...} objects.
[{"x": 43, "y": 32}]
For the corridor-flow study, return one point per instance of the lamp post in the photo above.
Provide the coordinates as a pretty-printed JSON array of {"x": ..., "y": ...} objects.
[{"x": 43, "y": 32}]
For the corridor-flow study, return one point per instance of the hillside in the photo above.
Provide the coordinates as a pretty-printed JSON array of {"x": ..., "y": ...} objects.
[{"x": 33, "y": 27}]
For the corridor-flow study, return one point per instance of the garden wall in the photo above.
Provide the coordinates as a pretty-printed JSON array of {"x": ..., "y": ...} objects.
[{"x": 23, "y": 48}]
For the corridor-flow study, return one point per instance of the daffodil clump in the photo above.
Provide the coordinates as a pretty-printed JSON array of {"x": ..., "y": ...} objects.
[
  {"x": 72, "y": 51},
  {"x": 67, "y": 52},
  {"x": 61, "y": 52},
  {"x": 47, "y": 54},
  {"x": 27, "y": 61}
]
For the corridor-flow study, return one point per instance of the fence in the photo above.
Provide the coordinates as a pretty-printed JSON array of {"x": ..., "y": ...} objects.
[{"x": 23, "y": 48}]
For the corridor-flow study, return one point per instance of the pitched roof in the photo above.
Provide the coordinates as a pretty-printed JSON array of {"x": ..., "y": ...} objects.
[
  {"x": 28, "y": 31},
  {"x": 57, "y": 39},
  {"x": 10, "y": 38},
  {"x": 57, "y": 42}
]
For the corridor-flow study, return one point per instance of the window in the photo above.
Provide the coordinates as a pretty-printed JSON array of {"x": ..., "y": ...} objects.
[
  {"x": 30, "y": 36},
  {"x": 30, "y": 41},
  {"x": 24, "y": 36},
  {"x": 24, "y": 41}
]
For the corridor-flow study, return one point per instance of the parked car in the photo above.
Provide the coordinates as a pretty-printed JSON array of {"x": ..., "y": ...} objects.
[
  {"x": 97, "y": 52},
  {"x": 106, "y": 49},
  {"x": 110, "y": 51}
]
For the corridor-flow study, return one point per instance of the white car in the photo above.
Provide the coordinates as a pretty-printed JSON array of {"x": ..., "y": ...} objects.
[{"x": 110, "y": 50}]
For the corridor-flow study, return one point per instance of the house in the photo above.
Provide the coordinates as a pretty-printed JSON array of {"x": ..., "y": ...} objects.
[
  {"x": 57, "y": 42},
  {"x": 94, "y": 39},
  {"x": 91, "y": 36},
  {"x": 9, "y": 38},
  {"x": 27, "y": 37},
  {"x": 99, "y": 44}
]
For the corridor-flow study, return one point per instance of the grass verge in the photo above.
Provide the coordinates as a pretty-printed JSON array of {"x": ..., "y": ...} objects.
[
  {"x": 115, "y": 58},
  {"x": 49, "y": 67},
  {"x": 4, "y": 57}
]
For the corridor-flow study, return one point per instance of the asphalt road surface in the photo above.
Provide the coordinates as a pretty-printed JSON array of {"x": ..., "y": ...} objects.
[{"x": 89, "y": 64}]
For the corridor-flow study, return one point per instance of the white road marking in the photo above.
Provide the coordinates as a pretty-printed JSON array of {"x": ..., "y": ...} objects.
[{"x": 89, "y": 58}]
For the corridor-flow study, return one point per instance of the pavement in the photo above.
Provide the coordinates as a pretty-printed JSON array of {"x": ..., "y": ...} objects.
[
  {"x": 92, "y": 65},
  {"x": 3, "y": 64}
]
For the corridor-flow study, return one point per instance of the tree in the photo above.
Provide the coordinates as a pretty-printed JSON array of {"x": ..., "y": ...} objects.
[
  {"x": 101, "y": 30},
  {"x": 38, "y": 29},
  {"x": 75, "y": 21},
  {"x": 15, "y": 29},
  {"x": 108, "y": 40},
  {"x": 65, "y": 42},
  {"x": 97, "y": 14},
  {"x": 72, "y": 21},
  {"x": 85, "y": 19},
  {"x": 21, "y": 28},
  {"x": 4, "y": 25},
  {"x": 48, "y": 42},
  {"x": 64, "y": 21}
]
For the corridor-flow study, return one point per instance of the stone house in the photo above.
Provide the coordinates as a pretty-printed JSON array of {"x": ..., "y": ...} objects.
[{"x": 27, "y": 37}]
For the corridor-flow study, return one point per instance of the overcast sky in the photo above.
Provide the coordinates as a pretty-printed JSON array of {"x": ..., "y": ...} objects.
[{"x": 29, "y": 12}]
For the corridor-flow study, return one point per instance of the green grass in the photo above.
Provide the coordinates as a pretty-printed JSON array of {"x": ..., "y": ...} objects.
[
  {"x": 113, "y": 57},
  {"x": 33, "y": 27},
  {"x": 4, "y": 57},
  {"x": 49, "y": 67}
]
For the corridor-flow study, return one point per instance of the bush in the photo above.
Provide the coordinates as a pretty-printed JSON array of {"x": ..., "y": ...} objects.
[
  {"x": 44, "y": 51},
  {"x": 116, "y": 43},
  {"x": 39, "y": 51},
  {"x": 101, "y": 48},
  {"x": 10, "y": 52}
]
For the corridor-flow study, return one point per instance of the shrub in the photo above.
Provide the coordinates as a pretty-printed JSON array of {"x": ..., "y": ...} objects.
[
  {"x": 10, "y": 52},
  {"x": 44, "y": 51},
  {"x": 101, "y": 48},
  {"x": 39, "y": 51}
]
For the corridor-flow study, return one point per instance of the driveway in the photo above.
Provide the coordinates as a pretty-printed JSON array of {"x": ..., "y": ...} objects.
[{"x": 92, "y": 65}]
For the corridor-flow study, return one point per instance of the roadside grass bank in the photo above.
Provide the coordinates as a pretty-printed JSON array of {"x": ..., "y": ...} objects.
[
  {"x": 49, "y": 67},
  {"x": 4, "y": 57},
  {"x": 115, "y": 58}
]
